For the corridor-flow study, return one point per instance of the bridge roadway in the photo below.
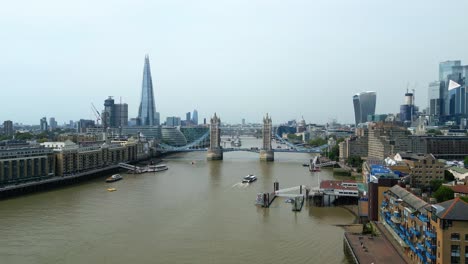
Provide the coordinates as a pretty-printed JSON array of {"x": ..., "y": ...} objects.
[{"x": 254, "y": 150}]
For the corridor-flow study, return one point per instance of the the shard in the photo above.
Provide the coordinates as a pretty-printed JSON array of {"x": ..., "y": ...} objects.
[{"x": 147, "y": 111}]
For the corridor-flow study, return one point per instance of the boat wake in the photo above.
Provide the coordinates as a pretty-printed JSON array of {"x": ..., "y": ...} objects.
[{"x": 240, "y": 185}]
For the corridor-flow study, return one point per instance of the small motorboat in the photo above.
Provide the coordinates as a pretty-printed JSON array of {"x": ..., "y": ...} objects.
[
  {"x": 114, "y": 178},
  {"x": 249, "y": 178},
  {"x": 111, "y": 189},
  {"x": 305, "y": 165}
]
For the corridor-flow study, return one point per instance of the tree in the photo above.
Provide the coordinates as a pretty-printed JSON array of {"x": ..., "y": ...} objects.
[
  {"x": 443, "y": 194},
  {"x": 464, "y": 198},
  {"x": 448, "y": 176},
  {"x": 334, "y": 153},
  {"x": 465, "y": 161},
  {"x": 435, "y": 132},
  {"x": 435, "y": 185},
  {"x": 317, "y": 142},
  {"x": 354, "y": 161}
]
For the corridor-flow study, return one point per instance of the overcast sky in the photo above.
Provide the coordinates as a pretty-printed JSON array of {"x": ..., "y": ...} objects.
[{"x": 239, "y": 58}]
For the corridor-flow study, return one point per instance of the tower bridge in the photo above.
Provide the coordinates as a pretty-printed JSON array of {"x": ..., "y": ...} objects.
[{"x": 215, "y": 151}]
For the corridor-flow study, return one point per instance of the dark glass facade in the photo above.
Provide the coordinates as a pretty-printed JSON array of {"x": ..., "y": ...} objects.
[{"x": 147, "y": 110}]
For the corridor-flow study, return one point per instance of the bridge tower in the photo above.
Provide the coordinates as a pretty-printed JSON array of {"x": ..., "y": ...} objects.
[
  {"x": 266, "y": 153},
  {"x": 215, "y": 152}
]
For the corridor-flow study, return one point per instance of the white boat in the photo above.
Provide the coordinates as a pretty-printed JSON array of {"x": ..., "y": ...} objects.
[
  {"x": 156, "y": 168},
  {"x": 113, "y": 178},
  {"x": 249, "y": 178}
]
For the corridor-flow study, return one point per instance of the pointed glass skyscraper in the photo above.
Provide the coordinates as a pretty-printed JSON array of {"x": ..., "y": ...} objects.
[{"x": 147, "y": 111}]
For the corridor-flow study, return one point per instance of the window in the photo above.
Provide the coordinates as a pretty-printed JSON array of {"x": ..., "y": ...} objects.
[
  {"x": 466, "y": 254},
  {"x": 455, "y": 254},
  {"x": 466, "y": 237},
  {"x": 455, "y": 236}
]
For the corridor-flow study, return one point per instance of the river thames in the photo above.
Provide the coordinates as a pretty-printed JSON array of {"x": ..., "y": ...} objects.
[{"x": 191, "y": 213}]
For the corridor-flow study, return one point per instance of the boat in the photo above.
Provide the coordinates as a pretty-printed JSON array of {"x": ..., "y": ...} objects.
[
  {"x": 111, "y": 189},
  {"x": 305, "y": 165},
  {"x": 113, "y": 178},
  {"x": 161, "y": 167},
  {"x": 249, "y": 178}
]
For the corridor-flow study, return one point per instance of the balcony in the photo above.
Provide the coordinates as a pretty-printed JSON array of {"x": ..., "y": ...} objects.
[
  {"x": 421, "y": 247},
  {"x": 430, "y": 256},
  {"x": 396, "y": 220},
  {"x": 415, "y": 232},
  {"x": 423, "y": 218},
  {"x": 429, "y": 245},
  {"x": 430, "y": 234}
]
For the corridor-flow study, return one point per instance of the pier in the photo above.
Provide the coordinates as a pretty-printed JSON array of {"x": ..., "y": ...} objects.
[{"x": 138, "y": 170}]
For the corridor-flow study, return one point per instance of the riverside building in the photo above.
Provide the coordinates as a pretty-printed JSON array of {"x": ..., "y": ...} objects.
[{"x": 428, "y": 233}]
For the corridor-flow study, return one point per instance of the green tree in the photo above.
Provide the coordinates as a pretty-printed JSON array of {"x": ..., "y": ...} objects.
[
  {"x": 435, "y": 132},
  {"x": 443, "y": 194},
  {"x": 448, "y": 176},
  {"x": 435, "y": 184},
  {"x": 464, "y": 198},
  {"x": 24, "y": 136},
  {"x": 465, "y": 161},
  {"x": 317, "y": 142},
  {"x": 354, "y": 161}
]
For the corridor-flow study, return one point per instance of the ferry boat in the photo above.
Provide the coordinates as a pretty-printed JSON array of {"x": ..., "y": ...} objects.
[
  {"x": 156, "y": 168},
  {"x": 249, "y": 178},
  {"x": 114, "y": 178}
]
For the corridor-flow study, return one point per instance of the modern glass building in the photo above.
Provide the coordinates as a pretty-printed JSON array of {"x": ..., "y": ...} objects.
[
  {"x": 195, "y": 117},
  {"x": 364, "y": 105},
  {"x": 147, "y": 110}
]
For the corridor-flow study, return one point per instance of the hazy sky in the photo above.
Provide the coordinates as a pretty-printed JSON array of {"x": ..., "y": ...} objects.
[{"x": 239, "y": 58}]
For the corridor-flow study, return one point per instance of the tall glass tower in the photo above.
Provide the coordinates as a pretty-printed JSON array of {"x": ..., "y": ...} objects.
[
  {"x": 147, "y": 110},
  {"x": 364, "y": 105}
]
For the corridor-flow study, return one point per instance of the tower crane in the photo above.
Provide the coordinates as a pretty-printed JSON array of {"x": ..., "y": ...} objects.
[{"x": 96, "y": 113}]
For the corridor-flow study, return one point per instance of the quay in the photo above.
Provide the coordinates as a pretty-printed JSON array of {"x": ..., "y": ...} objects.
[
  {"x": 370, "y": 249},
  {"x": 54, "y": 182}
]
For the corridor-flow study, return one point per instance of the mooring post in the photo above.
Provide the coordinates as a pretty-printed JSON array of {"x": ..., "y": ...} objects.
[
  {"x": 300, "y": 189},
  {"x": 276, "y": 186}
]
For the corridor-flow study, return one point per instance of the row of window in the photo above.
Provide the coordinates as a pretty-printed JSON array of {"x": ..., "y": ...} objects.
[{"x": 456, "y": 236}]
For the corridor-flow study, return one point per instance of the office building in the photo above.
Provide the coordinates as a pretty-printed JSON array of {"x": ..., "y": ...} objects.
[
  {"x": 8, "y": 128},
  {"x": 408, "y": 109},
  {"x": 356, "y": 145},
  {"x": 44, "y": 125},
  {"x": 114, "y": 115},
  {"x": 52, "y": 123},
  {"x": 84, "y": 124},
  {"x": 195, "y": 117},
  {"x": 442, "y": 147},
  {"x": 188, "y": 118},
  {"x": 387, "y": 139},
  {"x": 364, "y": 105},
  {"x": 147, "y": 109},
  {"x": 173, "y": 121}
]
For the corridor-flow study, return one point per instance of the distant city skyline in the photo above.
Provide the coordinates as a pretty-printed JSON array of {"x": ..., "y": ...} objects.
[{"x": 240, "y": 59}]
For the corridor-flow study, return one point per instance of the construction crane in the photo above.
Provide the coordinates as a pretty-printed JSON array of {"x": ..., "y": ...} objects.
[{"x": 96, "y": 113}]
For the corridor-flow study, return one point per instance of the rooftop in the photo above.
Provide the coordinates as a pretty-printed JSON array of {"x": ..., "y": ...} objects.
[
  {"x": 459, "y": 188},
  {"x": 412, "y": 200},
  {"x": 454, "y": 209}
]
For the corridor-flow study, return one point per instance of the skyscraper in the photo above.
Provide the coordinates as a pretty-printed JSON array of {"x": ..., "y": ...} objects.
[
  {"x": 114, "y": 115},
  {"x": 44, "y": 125},
  {"x": 188, "y": 118},
  {"x": 8, "y": 128},
  {"x": 147, "y": 110},
  {"x": 195, "y": 117},
  {"x": 364, "y": 105}
]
